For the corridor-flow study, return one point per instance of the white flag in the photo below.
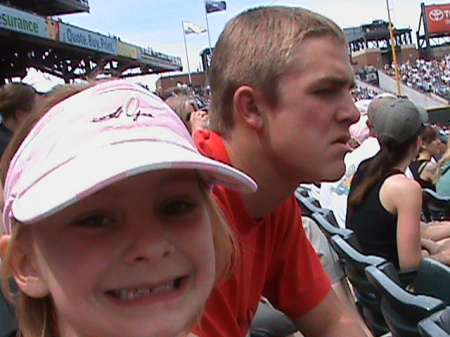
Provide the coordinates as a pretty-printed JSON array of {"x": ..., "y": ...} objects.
[{"x": 192, "y": 28}]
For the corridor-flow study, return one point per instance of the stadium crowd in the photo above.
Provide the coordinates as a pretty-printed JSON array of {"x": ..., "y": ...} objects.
[{"x": 425, "y": 75}]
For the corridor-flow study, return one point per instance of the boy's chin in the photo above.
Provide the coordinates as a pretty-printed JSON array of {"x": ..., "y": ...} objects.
[{"x": 334, "y": 175}]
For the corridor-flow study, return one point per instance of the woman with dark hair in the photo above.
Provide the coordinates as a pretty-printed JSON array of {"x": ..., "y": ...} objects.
[
  {"x": 384, "y": 206},
  {"x": 424, "y": 167}
]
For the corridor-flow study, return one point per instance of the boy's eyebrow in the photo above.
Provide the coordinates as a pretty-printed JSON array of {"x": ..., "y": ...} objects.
[{"x": 335, "y": 81}]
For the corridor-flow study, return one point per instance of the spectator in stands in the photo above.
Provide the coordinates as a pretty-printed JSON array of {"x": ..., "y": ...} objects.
[
  {"x": 426, "y": 75},
  {"x": 16, "y": 102},
  {"x": 384, "y": 206},
  {"x": 443, "y": 143},
  {"x": 359, "y": 132},
  {"x": 111, "y": 226},
  {"x": 333, "y": 195},
  {"x": 184, "y": 106},
  {"x": 173, "y": 91},
  {"x": 363, "y": 93},
  {"x": 273, "y": 104},
  {"x": 423, "y": 167},
  {"x": 443, "y": 174}
]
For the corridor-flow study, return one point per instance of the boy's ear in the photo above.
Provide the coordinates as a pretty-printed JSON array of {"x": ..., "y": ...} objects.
[
  {"x": 247, "y": 104},
  {"x": 24, "y": 269}
]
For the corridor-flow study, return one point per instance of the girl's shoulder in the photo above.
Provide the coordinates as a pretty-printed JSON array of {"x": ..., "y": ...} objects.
[
  {"x": 399, "y": 191},
  {"x": 399, "y": 183}
]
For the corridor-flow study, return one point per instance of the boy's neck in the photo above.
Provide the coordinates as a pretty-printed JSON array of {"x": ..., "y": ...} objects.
[{"x": 272, "y": 188}]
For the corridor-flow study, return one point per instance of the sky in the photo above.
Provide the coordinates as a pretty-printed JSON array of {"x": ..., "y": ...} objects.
[{"x": 158, "y": 23}]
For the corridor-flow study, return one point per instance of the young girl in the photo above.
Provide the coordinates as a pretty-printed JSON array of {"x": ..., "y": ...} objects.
[
  {"x": 111, "y": 230},
  {"x": 423, "y": 167}
]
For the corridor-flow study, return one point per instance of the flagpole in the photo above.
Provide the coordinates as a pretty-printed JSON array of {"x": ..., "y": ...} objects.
[
  {"x": 187, "y": 56},
  {"x": 209, "y": 37}
]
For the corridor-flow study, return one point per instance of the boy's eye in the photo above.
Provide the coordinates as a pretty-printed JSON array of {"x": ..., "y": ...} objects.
[
  {"x": 93, "y": 221},
  {"x": 327, "y": 91},
  {"x": 178, "y": 207}
]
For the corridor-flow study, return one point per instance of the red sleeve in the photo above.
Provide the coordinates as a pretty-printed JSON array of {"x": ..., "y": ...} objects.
[{"x": 296, "y": 282}]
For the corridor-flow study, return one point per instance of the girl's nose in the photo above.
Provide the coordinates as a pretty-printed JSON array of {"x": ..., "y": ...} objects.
[{"x": 148, "y": 243}]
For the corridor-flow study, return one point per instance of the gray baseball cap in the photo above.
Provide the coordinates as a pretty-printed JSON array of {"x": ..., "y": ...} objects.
[
  {"x": 423, "y": 113},
  {"x": 398, "y": 120}
]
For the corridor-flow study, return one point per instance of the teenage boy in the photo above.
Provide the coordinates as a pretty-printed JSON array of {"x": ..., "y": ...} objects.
[{"x": 280, "y": 111}]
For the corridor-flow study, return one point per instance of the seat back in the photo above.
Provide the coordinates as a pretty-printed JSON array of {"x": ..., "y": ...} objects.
[
  {"x": 433, "y": 279},
  {"x": 401, "y": 309},
  {"x": 303, "y": 191},
  {"x": 269, "y": 322},
  {"x": 436, "y": 325},
  {"x": 308, "y": 205},
  {"x": 327, "y": 227},
  {"x": 367, "y": 299},
  {"x": 434, "y": 206}
]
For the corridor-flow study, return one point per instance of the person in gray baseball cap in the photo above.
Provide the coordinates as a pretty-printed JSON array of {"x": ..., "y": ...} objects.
[
  {"x": 397, "y": 122},
  {"x": 384, "y": 206}
]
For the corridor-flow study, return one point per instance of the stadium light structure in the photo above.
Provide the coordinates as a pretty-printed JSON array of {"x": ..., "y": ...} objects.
[{"x": 394, "y": 54}]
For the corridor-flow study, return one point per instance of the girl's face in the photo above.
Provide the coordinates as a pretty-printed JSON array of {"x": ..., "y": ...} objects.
[
  {"x": 433, "y": 147},
  {"x": 134, "y": 259}
]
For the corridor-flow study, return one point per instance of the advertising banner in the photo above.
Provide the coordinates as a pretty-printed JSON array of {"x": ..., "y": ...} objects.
[
  {"x": 86, "y": 39},
  {"x": 438, "y": 18},
  {"x": 128, "y": 50},
  {"x": 23, "y": 22}
]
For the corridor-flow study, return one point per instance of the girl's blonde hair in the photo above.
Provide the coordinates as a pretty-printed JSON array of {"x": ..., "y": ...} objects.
[{"x": 35, "y": 316}]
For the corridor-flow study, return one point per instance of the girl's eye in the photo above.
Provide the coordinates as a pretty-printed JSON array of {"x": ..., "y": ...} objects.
[
  {"x": 178, "y": 207},
  {"x": 94, "y": 221}
]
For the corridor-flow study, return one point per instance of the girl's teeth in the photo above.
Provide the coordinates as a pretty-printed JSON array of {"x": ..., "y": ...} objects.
[
  {"x": 137, "y": 293},
  {"x": 163, "y": 288}
]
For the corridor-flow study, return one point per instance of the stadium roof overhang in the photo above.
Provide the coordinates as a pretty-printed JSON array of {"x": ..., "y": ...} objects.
[
  {"x": 70, "y": 62},
  {"x": 355, "y": 34},
  {"x": 50, "y": 7}
]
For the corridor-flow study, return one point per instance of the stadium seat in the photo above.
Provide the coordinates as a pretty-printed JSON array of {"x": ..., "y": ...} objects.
[
  {"x": 328, "y": 227},
  {"x": 269, "y": 322},
  {"x": 368, "y": 302},
  {"x": 309, "y": 205},
  {"x": 434, "y": 206},
  {"x": 436, "y": 325},
  {"x": 303, "y": 191},
  {"x": 433, "y": 279},
  {"x": 401, "y": 309}
]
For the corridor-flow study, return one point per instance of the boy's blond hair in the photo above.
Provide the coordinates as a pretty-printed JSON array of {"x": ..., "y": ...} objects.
[{"x": 257, "y": 48}]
